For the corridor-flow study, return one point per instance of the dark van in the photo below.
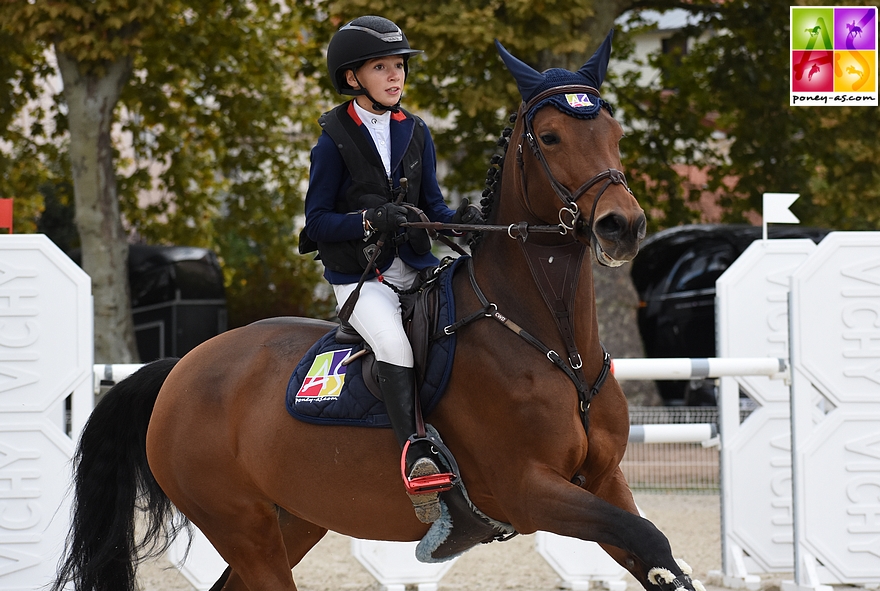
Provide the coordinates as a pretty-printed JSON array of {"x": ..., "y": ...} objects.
[{"x": 674, "y": 275}]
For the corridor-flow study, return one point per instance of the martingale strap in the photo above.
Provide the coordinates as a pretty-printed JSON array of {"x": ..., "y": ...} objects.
[
  {"x": 555, "y": 270},
  {"x": 490, "y": 310}
]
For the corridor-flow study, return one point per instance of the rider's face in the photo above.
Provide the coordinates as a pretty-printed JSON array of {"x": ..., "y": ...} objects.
[{"x": 383, "y": 79}]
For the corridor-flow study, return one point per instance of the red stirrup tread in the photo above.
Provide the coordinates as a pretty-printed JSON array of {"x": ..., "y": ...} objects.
[{"x": 423, "y": 485}]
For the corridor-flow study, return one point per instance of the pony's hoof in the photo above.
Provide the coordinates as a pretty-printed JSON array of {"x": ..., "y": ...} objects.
[
  {"x": 667, "y": 581},
  {"x": 426, "y": 505}
]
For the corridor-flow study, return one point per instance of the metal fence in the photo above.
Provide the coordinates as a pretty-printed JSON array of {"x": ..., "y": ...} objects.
[{"x": 688, "y": 468}]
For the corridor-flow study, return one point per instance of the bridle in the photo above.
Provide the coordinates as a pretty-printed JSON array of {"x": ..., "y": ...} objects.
[
  {"x": 556, "y": 282},
  {"x": 569, "y": 199}
]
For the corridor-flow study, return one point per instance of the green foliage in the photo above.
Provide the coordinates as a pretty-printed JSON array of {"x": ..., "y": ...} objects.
[
  {"x": 23, "y": 71},
  {"x": 228, "y": 118},
  {"x": 222, "y": 103},
  {"x": 92, "y": 33},
  {"x": 723, "y": 109}
]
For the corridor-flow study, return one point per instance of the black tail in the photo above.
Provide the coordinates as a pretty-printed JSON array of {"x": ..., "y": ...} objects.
[{"x": 112, "y": 483}]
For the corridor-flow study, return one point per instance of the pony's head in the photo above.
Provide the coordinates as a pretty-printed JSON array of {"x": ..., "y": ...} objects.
[{"x": 568, "y": 156}]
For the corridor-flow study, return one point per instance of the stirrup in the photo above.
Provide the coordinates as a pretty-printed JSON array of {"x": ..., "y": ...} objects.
[{"x": 424, "y": 480}]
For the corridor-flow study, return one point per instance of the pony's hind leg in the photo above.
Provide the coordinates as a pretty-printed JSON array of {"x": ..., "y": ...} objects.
[
  {"x": 299, "y": 537},
  {"x": 251, "y": 542}
]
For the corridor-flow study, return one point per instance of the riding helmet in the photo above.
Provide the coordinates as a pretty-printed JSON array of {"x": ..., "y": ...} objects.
[{"x": 364, "y": 38}]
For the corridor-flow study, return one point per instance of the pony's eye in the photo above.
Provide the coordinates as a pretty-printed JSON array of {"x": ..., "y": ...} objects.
[{"x": 549, "y": 139}]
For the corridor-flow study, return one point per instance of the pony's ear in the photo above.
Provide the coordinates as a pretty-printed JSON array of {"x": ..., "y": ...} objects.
[
  {"x": 527, "y": 78},
  {"x": 595, "y": 68}
]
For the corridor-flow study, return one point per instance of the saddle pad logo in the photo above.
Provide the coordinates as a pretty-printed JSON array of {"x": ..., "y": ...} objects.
[
  {"x": 578, "y": 100},
  {"x": 325, "y": 378}
]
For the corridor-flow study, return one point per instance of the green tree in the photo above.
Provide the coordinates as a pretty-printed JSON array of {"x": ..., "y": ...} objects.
[
  {"x": 210, "y": 97},
  {"x": 23, "y": 73},
  {"x": 723, "y": 108}
]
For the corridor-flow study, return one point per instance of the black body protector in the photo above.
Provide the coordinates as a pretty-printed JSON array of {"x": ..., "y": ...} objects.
[{"x": 371, "y": 188}]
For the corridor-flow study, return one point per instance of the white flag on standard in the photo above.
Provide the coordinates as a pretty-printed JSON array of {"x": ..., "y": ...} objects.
[{"x": 776, "y": 209}]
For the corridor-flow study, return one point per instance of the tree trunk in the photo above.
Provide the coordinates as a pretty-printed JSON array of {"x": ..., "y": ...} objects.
[
  {"x": 91, "y": 100},
  {"x": 595, "y": 28}
]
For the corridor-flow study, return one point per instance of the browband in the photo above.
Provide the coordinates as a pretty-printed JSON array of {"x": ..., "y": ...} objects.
[{"x": 565, "y": 89}]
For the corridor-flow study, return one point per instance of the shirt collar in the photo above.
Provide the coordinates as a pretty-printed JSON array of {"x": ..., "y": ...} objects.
[{"x": 371, "y": 119}]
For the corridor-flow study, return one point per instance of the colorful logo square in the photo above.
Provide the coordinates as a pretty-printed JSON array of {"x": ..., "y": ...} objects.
[
  {"x": 854, "y": 71},
  {"x": 834, "y": 55},
  {"x": 325, "y": 378},
  {"x": 855, "y": 28},
  {"x": 811, "y": 28},
  {"x": 813, "y": 71}
]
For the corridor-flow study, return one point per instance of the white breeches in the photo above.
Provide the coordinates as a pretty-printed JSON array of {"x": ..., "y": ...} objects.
[{"x": 377, "y": 315}]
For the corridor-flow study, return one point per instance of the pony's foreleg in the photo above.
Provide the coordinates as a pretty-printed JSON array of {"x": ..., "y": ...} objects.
[
  {"x": 616, "y": 491},
  {"x": 566, "y": 509}
]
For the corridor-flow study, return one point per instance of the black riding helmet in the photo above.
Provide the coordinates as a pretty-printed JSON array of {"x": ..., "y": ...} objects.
[{"x": 364, "y": 38}]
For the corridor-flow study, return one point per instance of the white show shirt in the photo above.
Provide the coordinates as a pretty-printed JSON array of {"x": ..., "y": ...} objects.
[{"x": 379, "y": 127}]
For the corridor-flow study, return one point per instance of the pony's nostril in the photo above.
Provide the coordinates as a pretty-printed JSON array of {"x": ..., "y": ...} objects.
[
  {"x": 611, "y": 226},
  {"x": 641, "y": 227},
  {"x": 616, "y": 227}
]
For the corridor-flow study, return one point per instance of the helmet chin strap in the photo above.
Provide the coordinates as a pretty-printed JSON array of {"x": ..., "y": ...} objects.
[{"x": 395, "y": 108}]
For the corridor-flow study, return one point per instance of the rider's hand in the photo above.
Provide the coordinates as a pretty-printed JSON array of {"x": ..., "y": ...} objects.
[
  {"x": 467, "y": 213},
  {"x": 386, "y": 217}
]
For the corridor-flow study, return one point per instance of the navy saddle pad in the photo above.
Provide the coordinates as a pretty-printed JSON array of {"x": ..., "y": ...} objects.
[{"x": 324, "y": 391}]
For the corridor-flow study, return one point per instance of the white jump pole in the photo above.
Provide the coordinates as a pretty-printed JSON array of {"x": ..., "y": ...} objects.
[
  {"x": 672, "y": 368},
  {"x": 683, "y": 433},
  {"x": 682, "y": 368},
  {"x": 107, "y": 374}
]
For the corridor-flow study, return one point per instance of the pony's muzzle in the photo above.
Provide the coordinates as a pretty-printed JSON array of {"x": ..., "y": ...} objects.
[{"x": 618, "y": 237}]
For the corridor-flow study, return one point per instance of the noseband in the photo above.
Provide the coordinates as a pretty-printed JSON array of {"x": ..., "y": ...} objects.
[{"x": 569, "y": 199}]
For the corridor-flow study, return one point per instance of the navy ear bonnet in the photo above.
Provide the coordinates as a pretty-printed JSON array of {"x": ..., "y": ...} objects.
[{"x": 581, "y": 105}]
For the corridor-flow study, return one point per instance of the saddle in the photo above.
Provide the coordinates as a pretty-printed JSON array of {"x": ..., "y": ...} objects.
[{"x": 420, "y": 307}]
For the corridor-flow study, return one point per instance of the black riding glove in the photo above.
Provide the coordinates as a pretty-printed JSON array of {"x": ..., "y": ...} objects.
[
  {"x": 467, "y": 213},
  {"x": 386, "y": 218}
]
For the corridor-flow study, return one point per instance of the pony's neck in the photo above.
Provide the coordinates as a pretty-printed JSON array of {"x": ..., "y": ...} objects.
[{"x": 503, "y": 273}]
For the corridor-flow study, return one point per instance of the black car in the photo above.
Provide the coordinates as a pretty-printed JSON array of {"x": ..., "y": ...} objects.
[{"x": 674, "y": 275}]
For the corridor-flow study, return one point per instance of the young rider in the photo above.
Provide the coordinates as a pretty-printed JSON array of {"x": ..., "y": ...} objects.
[{"x": 367, "y": 145}]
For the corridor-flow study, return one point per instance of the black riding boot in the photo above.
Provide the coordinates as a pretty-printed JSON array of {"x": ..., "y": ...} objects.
[{"x": 398, "y": 390}]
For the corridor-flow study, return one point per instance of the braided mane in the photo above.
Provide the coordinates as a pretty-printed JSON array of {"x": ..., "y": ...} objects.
[{"x": 493, "y": 181}]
